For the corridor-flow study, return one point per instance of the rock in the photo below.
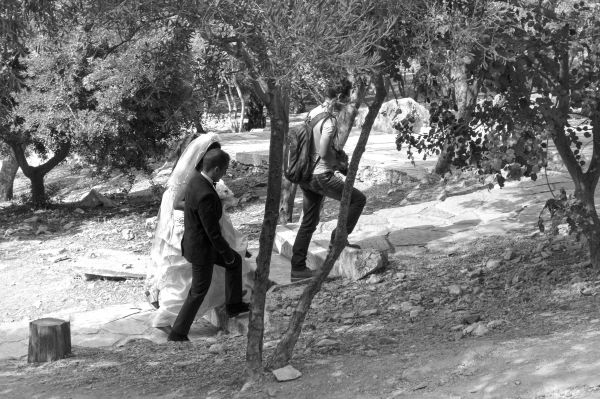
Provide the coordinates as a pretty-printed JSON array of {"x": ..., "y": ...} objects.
[
  {"x": 415, "y": 298},
  {"x": 387, "y": 341},
  {"x": 150, "y": 223},
  {"x": 400, "y": 276},
  {"x": 287, "y": 373},
  {"x": 216, "y": 349},
  {"x": 454, "y": 289},
  {"x": 476, "y": 274},
  {"x": 442, "y": 196},
  {"x": 470, "y": 318},
  {"x": 127, "y": 234},
  {"x": 368, "y": 312},
  {"x": 42, "y": 229},
  {"x": 406, "y": 306},
  {"x": 508, "y": 254},
  {"x": 326, "y": 342},
  {"x": 469, "y": 329},
  {"x": 491, "y": 264},
  {"x": 348, "y": 315},
  {"x": 375, "y": 279},
  {"x": 68, "y": 225},
  {"x": 496, "y": 323},
  {"x": 33, "y": 219},
  {"x": 94, "y": 199},
  {"x": 58, "y": 258},
  {"x": 358, "y": 263},
  {"x": 415, "y": 312},
  {"x": 79, "y": 210},
  {"x": 480, "y": 330}
]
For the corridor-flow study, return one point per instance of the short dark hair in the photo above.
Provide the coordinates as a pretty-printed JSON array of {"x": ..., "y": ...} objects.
[
  {"x": 215, "y": 157},
  {"x": 214, "y": 145}
]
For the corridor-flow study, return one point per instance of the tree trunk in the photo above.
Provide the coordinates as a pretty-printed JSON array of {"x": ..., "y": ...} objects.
[
  {"x": 49, "y": 339},
  {"x": 36, "y": 173},
  {"x": 278, "y": 104},
  {"x": 466, "y": 90},
  {"x": 8, "y": 170},
  {"x": 229, "y": 109},
  {"x": 243, "y": 109},
  {"x": 283, "y": 351}
]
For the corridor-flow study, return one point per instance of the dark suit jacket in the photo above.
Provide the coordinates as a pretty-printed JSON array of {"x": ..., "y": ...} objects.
[{"x": 202, "y": 241}]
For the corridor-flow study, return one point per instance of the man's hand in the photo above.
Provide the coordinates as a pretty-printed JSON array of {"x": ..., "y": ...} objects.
[
  {"x": 235, "y": 260},
  {"x": 342, "y": 162}
]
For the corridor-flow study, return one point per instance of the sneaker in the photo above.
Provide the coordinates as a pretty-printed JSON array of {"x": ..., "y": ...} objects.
[
  {"x": 237, "y": 309},
  {"x": 174, "y": 337},
  {"x": 303, "y": 274}
]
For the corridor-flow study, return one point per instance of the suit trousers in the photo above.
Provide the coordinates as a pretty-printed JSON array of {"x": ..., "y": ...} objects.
[{"x": 201, "y": 279}]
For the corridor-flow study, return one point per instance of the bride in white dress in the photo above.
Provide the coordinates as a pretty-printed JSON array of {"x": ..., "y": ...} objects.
[{"x": 170, "y": 274}]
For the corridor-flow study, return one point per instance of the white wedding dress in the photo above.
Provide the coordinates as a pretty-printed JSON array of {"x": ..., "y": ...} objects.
[{"x": 170, "y": 274}]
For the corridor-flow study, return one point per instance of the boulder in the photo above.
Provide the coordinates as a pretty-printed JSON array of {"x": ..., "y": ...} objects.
[
  {"x": 94, "y": 199},
  {"x": 358, "y": 263},
  {"x": 397, "y": 111}
]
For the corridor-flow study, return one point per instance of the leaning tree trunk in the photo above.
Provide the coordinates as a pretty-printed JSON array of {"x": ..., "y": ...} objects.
[
  {"x": 36, "y": 174},
  {"x": 283, "y": 351},
  {"x": 466, "y": 98},
  {"x": 278, "y": 105}
]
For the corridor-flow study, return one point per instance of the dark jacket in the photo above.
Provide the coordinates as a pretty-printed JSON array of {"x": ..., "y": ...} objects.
[{"x": 202, "y": 242}]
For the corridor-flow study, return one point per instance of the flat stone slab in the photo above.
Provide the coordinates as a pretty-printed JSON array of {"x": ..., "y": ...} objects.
[
  {"x": 110, "y": 263},
  {"x": 111, "y": 326}
]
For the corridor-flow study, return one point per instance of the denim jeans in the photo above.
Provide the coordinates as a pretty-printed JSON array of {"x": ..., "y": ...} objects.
[{"x": 322, "y": 185}]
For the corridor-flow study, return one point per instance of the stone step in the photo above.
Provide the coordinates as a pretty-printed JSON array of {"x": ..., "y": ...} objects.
[
  {"x": 280, "y": 269},
  {"x": 352, "y": 263}
]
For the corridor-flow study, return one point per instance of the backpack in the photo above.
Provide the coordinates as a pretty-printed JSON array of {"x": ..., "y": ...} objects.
[{"x": 300, "y": 166}]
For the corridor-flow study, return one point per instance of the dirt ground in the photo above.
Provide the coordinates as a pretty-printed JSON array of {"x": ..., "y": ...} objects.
[{"x": 481, "y": 323}]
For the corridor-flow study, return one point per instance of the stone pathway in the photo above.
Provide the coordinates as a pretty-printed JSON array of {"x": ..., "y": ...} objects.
[{"x": 412, "y": 229}]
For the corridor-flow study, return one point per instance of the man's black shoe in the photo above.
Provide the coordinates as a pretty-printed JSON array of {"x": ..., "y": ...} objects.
[
  {"x": 236, "y": 309},
  {"x": 173, "y": 336},
  {"x": 303, "y": 274}
]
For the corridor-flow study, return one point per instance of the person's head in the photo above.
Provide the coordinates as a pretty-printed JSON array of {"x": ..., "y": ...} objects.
[
  {"x": 212, "y": 146},
  {"x": 215, "y": 163}
]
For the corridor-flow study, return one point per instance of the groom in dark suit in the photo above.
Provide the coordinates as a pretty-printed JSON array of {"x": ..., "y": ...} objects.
[{"x": 204, "y": 246}]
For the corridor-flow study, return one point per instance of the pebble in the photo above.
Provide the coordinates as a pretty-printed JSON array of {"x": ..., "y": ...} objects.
[
  {"x": 415, "y": 298},
  {"x": 368, "y": 312},
  {"x": 216, "y": 348},
  {"x": 375, "y": 279},
  {"x": 326, "y": 342},
  {"x": 491, "y": 264},
  {"x": 454, "y": 289}
]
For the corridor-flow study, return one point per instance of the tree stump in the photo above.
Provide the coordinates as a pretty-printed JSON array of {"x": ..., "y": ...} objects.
[{"x": 49, "y": 339}]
